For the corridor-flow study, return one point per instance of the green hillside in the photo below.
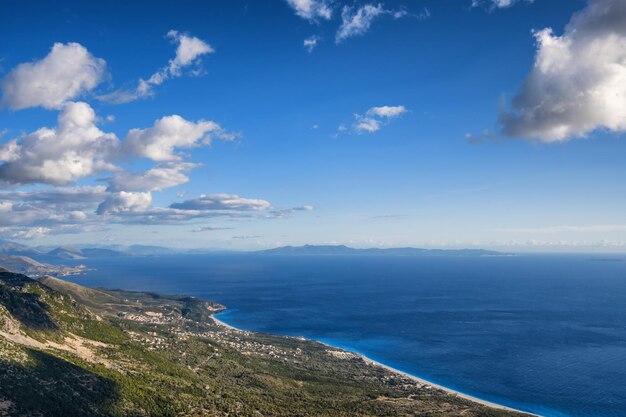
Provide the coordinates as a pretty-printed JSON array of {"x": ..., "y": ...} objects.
[{"x": 67, "y": 350}]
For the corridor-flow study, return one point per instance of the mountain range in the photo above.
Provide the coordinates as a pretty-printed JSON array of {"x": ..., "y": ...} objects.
[{"x": 46, "y": 254}]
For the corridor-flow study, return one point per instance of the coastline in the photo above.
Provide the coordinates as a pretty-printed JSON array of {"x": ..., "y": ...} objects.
[
  {"x": 417, "y": 379},
  {"x": 221, "y": 323}
]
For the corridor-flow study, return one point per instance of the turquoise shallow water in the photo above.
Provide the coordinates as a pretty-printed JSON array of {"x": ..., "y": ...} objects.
[{"x": 545, "y": 334}]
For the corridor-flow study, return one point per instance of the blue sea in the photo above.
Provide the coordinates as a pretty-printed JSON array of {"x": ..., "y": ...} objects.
[{"x": 541, "y": 333}]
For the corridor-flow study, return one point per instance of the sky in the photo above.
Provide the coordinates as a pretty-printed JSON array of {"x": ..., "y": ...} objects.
[{"x": 252, "y": 124}]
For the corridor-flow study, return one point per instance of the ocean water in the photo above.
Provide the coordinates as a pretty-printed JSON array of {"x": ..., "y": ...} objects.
[{"x": 541, "y": 333}]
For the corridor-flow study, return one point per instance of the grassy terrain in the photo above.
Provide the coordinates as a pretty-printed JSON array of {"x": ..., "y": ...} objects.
[{"x": 67, "y": 350}]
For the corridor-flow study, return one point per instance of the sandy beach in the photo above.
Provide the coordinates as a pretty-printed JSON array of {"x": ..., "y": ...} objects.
[
  {"x": 440, "y": 387},
  {"x": 372, "y": 362},
  {"x": 221, "y": 323}
]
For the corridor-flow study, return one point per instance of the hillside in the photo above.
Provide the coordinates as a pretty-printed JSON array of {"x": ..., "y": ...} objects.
[
  {"x": 70, "y": 350},
  {"x": 29, "y": 266}
]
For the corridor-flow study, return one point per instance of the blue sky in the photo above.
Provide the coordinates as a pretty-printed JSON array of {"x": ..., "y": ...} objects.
[{"x": 270, "y": 143}]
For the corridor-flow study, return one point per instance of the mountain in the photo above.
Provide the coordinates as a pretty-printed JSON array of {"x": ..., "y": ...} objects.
[
  {"x": 338, "y": 250},
  {"x": 149, "y": 250},
  {"x": 65, "y": 252},
  {"x": 12, "y": 248},
  {"x": 68, "y": 350},
  {"x": 28, "y": 266},
  {"x": 100, "y": 253},
  {"x": 59, "y": 253}
]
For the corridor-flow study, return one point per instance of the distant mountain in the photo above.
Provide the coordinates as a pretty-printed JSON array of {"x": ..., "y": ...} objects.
[
  {"x": 28, "y": 266},
  {"x": 149, "y": 250},
  {"x": 338, "y": 250},
  {"x": 100, "y": 253},
  {"x": 64, "y": 252},
  {"x": 12, "y": 248}
]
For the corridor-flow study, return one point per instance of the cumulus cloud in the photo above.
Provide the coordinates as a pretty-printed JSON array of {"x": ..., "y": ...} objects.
[
  {"x": 162, "y": 176},
  {"x": 125, "y": 202},
  {"x": 376, "y": 117},
  {"x": 189, "y": 49},
  {"x": 170, "y": 133},
  {"x": 578, "y": 80},
  {"x": 10, "y": 151},
  {"x": 68, "y": 71},
  {"x": 312, "y": 10},
  {"x": 76, "y": 148},
  {"x": 223, "y": 202}
]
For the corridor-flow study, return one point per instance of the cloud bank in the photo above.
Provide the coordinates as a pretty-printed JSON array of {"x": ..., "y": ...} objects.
[{"x": 57, "y": 166}]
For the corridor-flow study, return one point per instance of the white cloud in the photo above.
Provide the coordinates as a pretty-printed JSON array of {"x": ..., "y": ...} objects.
[
  {"x": 168, "y": 134},
  {"x": 125, "y": 202},
  {"x": 49, "y": 208},
  {"x": 10, "y": 151},
  {"x": 68, "y": 71},
  {"x": 310, "y": 43},
  {"x": 76, "y": 148},
  {"x": 210, "y": 229},
  {"x": 386, "y": 111},
  {"x": 503, "y": 3},
  {"x": 312, "y": 10},
  {"x": 376, "y": 117},
  {"x": 366, "y": 124},
  {"x": 223, "y": 202},
  {"x": 282, "y": 213},
  {"x": 189, "y": 48},
  {"x": 188, "y": 52},
  {"x": 205, "y": 207},
  {"x": 358, "y": 22},
  {"x": 31, "y": 233},
  {"x": 60, "y": 199},
  {"x": 497, "y": 4},
  {"x": 158, "y": 178},
  {"x": 578, "y": 81}
]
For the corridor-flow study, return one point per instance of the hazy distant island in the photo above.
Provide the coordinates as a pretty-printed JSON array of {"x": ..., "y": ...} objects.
[
  {"x": 337, "y": 250},
  {"x": 94, "y": 251},
  {"x": 68, "y": 350}
]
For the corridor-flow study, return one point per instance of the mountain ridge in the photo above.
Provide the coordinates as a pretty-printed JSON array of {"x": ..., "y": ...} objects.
[{"x": 330, "y": 250}]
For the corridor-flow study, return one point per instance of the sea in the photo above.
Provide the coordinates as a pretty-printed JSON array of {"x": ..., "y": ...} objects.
[{"x": 540, "y": 333}]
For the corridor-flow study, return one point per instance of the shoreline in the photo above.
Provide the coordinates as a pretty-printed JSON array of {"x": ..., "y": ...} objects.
[{"x": 372, "y": 362}]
